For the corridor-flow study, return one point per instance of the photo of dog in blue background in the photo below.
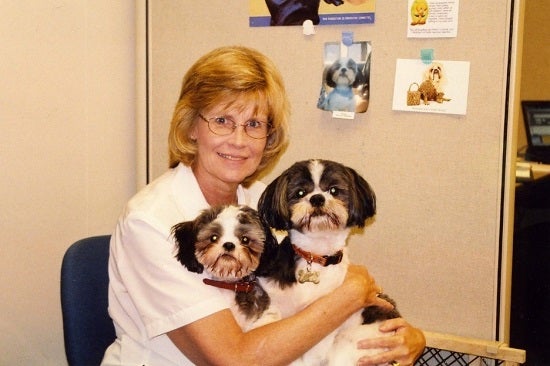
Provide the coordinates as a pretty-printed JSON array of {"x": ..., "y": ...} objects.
[{"x": 345, "y": 80}]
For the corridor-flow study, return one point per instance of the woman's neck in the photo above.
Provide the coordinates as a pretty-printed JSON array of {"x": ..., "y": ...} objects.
[
  {"x": 219, "y": 197},
  {"x": 217, "y": 192}
]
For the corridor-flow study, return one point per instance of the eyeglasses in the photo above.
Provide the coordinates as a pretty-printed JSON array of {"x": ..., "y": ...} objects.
[{"x": 224, "y": 126}]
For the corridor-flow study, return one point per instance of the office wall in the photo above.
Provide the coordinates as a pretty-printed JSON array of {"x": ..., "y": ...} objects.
[
  {"x": 435, "y": 243},
  {"x": 67, "y": 154}
]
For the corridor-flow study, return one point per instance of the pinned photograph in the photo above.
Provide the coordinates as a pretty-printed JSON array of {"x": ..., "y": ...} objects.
[
  {"x": 345, "y": 84},
  {"x": 435, "y": 87}
]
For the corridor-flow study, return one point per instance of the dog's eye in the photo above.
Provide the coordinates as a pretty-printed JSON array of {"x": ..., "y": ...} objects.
[
  {"x": 301, "y": 193},
  {"x": 245, "y": 240},
  {"x": 214, "y": 238},
  {"x": 333, "y": 191}
]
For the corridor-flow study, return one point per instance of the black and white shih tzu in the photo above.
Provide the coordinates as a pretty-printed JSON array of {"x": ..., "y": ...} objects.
[
  {"x": 317, "y": 202},
  {"x": 343, "y": 75},
  {"x": 229, "y": 243}
]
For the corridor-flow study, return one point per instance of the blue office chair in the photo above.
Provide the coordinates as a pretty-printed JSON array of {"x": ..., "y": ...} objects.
[{"x": 88, "y": 330}]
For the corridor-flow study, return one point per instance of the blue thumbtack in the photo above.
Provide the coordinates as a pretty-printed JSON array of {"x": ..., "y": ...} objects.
[
  {"x": 427, "y": 55},
  {"x": 347, "y": 38}
]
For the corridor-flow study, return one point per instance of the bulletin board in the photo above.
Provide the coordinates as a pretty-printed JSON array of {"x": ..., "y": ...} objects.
[{"x": 435, "y": 245}]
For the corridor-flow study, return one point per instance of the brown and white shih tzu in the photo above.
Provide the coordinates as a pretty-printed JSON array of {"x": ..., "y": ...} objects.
[
  {"x": 317, "y": 202},
  {"x": 229, "y": 243},
  {"x": 433, "y": 83}
]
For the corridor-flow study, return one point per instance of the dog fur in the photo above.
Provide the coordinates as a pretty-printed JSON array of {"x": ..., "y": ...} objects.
[
  {"x": 229, "y": 243},
  {"x": 431, "y": 88},
  {"x": 344, "y": 351},
  {"x": 317, "y": 202},
  {"x": 343, "y": 75}
]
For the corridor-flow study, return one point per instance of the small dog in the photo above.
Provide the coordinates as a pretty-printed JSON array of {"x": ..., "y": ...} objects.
[
  {"x": 229, "y": 243},
  {"x": 317, "y": 202},
  {"x": 419, "y": 12},
  {"x": 431, "y": 88},
  {"x": 343, "y": 75}
]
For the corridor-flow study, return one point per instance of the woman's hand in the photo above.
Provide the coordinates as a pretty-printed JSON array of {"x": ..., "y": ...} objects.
[
  {"x": 404, "y": 347},
  {"x": 364, "y": 287}
]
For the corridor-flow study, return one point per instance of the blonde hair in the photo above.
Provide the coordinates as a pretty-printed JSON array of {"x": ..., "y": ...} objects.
[{"x": 228, "y": 74}]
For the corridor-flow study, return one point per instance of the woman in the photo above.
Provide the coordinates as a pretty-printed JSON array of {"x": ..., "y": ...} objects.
[{"x": 229, "y": 125}]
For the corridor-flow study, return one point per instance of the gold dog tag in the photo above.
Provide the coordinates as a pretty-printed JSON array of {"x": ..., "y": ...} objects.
[{"x": 308, "y": 276}]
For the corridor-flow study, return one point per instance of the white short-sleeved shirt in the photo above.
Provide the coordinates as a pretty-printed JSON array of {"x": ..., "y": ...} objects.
[{"x": 150, "y": 292}]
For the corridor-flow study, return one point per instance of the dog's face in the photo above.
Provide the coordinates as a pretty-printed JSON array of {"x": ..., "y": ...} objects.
[
  {"x": 225, "y": 241},
  {"x": 435, "y": 72},
  {"x": 342, "y": 73},
  {"x": 317, "y": 195}
]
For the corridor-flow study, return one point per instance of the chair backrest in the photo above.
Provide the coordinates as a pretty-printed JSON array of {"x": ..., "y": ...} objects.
[{"x": 88, "y": 330}]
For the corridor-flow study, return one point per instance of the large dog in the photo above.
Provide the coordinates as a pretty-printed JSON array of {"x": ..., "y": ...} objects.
[{"x": 317, "y": 202}]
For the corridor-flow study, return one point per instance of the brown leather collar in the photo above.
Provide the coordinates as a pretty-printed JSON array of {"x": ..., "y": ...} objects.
[
  {"x": 239, "y": 286},
  {"x": 324, "y": 260}
]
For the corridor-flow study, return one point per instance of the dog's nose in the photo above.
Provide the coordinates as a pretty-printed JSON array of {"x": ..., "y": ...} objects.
[
  {"x": 228, "y": 246},
  {"x": 317, "y": 200}
]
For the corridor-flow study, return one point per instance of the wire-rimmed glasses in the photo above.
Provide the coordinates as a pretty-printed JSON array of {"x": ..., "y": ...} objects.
[{"x": 224, "y": 126}]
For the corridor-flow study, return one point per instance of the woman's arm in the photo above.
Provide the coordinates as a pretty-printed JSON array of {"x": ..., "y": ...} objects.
[{"x": 218, "y": 340}]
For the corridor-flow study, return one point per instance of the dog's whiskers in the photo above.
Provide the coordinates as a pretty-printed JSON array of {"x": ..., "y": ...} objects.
[
  {"x": 229, "y": 266},
  {"x": 324, "y": 221}
]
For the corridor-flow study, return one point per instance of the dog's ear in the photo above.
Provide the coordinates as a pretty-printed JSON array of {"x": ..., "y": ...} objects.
[
  {"x": 362, "y": 201},
  {"x": 285, "y": 272},
  {"x": 185, "y": 234},
  {"x": 273, "y": 204},
  {"x": 281, "y": 267},
  {"x": 328, "y": 75},
  {"x": 268, "y": 259}
]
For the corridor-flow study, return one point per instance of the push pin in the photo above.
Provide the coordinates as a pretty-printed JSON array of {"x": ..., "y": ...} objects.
[
  {"x": 347, "y": 38},
  {"x": 427, "y": 55},
  {"x": 309, "y": 29}
]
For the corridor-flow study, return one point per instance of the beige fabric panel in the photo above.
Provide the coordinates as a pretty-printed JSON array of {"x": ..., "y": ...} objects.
[{"x": 434, "y": 244}]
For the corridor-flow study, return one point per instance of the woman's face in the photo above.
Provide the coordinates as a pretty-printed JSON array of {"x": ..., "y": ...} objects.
[{"x": 227, "y": 159}]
